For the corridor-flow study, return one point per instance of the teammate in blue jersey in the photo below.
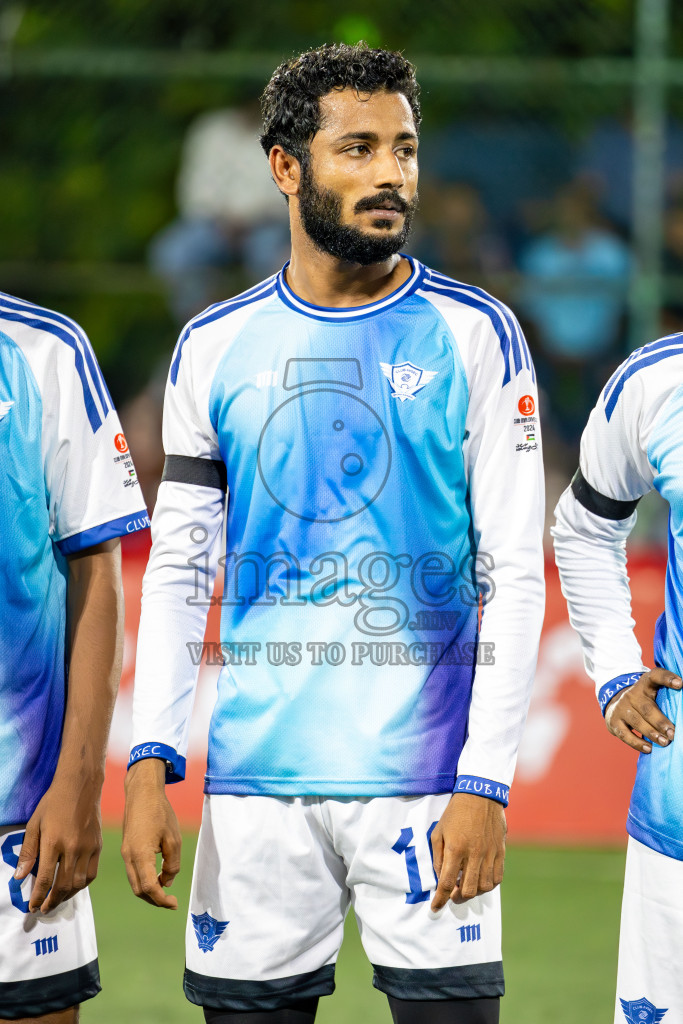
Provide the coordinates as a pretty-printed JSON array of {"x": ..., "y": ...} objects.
[
  {"x": 633, "y": 443},
  {"x": 374, "y": 426},
  {"x": 68, "y": 491}
]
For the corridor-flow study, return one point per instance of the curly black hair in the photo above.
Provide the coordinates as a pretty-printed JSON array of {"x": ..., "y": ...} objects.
[{"x": 290, "y": 102}]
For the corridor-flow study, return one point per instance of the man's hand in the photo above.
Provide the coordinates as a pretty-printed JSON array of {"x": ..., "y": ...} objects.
[
  {"x": 64, "y": 834},
  {"x": 635, "y": 710},
  {"x": 150, "y": 827},
  {"x": 469, "y": 848}
]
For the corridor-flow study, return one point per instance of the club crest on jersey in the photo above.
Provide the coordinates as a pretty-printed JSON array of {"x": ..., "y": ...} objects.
[
  {"x": 641, "y": 1011},
  {"x": 208, "y": 930},
  {"x": 406, "y": 380},
  {"x": 5, "y": 408}
]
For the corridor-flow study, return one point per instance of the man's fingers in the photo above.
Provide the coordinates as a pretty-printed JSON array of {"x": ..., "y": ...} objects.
[
  {"x": 146, "y": 884},
  {"x": 448, "y": 879},
  {"x": 28, "y": 854},
  {"x": 469, "y": 883},
  {"x": 93, "y": 867},
  {"x": 170, "y": 863},
  {"x": 618, "y": 727},
  {"x": 646, "y": 706},
  {"x": 63, "y": 885},
  {"x": 662, "y": 677},
  {"x": 634, "y": 720},
  {"x": 437, "y": 851},
  {"x": 45, "y": 877},
  {"x": 486, "y": 881},
  {"x": 499, "y": 866}
]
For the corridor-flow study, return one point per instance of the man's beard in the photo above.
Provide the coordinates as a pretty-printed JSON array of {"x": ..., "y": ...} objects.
[{"x": 321, "y": 211}]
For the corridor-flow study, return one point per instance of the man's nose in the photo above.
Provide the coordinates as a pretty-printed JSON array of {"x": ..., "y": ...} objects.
[{"x": 388, "y": 170}]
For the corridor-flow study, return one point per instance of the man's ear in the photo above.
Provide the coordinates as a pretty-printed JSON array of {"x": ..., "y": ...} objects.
[{"x": 286, "y": 170}]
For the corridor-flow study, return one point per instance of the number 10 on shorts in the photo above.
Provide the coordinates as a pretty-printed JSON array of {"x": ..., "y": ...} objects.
[{"x": 404, "y": 846}]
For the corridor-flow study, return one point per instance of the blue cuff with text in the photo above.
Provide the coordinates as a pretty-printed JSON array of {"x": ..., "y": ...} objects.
[
  {"x": 613, "y": 687},
  {"x": 482, "y": 787},
  {"x": 175, "y": 764}
]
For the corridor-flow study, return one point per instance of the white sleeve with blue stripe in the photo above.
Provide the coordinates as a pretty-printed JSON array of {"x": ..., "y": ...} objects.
[
  {"x": 505, "y": 466},
  {"x": 597, "y": 513},
  {"x": 179, "y": 579},
  {"x": 92, "y": 490}
]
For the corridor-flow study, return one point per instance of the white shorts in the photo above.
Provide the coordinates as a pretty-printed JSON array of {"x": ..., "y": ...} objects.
[
  {"x": 272, "y": 883},
  {"x": 48, "y": 962},
  {"x": 649, "y": 978}
]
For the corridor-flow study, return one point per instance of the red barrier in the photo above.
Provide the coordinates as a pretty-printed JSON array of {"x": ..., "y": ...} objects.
[{"x": 573, "y": 780}]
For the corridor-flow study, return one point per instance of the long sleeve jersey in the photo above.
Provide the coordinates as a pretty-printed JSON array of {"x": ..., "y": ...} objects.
[
  {"x": 633, "y": 443},
  {"x": 384, "y": 479}
]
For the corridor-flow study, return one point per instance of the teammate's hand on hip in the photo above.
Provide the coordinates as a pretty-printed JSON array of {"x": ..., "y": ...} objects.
[
  {"x": 64, "y": 834},
  {"x": 469, "y": 848},
  {"x": 635, "y": 711},
  {"x": 150, "y": 827}
]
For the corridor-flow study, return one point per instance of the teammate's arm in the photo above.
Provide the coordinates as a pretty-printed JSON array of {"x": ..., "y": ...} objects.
[
  {"x": 594, "y": 518},
  {"x": 64, "y": 832},
  {"x": 503, "y": 455}
]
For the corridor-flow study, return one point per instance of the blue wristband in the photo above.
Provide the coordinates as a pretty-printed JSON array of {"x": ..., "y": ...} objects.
[
  {"x": 615, "y": 685},
  {"x": 175, "y": 764},
  {"x": 482, "y": 787}
]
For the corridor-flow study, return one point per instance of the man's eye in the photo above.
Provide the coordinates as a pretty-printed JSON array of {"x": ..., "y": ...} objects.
[
  {"x": 407, "y": 151},
  {"x": 359, "y": 148}
]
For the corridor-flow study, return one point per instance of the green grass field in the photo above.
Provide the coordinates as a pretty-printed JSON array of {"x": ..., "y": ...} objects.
[{"x": 560, "y": 925}]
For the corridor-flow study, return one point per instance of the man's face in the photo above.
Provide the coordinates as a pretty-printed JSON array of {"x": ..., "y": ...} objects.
[{"x": 358, "y": 189}]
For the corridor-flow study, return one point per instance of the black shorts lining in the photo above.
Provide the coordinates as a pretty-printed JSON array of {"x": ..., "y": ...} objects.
[
  {"x": 470, "y": 981},
  {"x": 39, "y": 996},
  {"x": 245, "y": 996}
]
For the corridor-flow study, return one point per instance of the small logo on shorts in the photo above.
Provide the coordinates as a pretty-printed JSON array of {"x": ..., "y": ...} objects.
[
  {"x": 641, "y": 1011},
  {"x": 44, "y": 946},
  {"x": 208, "y": 930},
  {"x": 470, "y": 932}
]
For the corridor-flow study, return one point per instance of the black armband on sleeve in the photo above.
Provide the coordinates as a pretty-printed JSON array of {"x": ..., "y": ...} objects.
[
  {"x": 183, "y": 469},
  {"x": 598, "y": 504}
]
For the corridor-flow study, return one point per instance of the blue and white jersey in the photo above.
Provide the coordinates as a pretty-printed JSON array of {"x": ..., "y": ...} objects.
[
  {"x": 632, "y": 443},
  {"x": 383, "y": 466},
  {"x": 66, "y": 483}
]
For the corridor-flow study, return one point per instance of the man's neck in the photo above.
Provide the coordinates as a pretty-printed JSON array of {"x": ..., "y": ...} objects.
[{"x": 323, "y": 280}]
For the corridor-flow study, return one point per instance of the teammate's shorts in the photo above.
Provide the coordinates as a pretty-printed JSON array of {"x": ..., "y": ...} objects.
[
  {"x": 649, "y": 978},
  {"x": 272, "y": 883},
  {"x": 48, "y": 962}
]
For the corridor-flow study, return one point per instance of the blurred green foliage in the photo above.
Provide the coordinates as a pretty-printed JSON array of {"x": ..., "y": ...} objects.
[
  {"x": 486, "y": 27},
  {"x": 88, "y": 161}
]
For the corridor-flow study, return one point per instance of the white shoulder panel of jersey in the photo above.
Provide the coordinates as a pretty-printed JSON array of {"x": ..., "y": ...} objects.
[
  {"x": 207, "y": 337},
  {"x": 89, "y": 474},
  {"x": 47, "y": 339},
  {"x": 615, "y": 442},
  {"x": 486, "y": 331}
]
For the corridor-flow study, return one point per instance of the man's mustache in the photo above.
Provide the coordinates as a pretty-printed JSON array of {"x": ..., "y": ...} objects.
[{"x": 388, "y": 196}]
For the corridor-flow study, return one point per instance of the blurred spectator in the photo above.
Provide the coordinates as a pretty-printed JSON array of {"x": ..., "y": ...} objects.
[
  {"x": 576, "y": 278},
  {"x": 510, "y": 161},
  {"x": 231, "y": 216},
  {"x": 456, "y": 235},
  {"x": 606, "y": 164}
]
